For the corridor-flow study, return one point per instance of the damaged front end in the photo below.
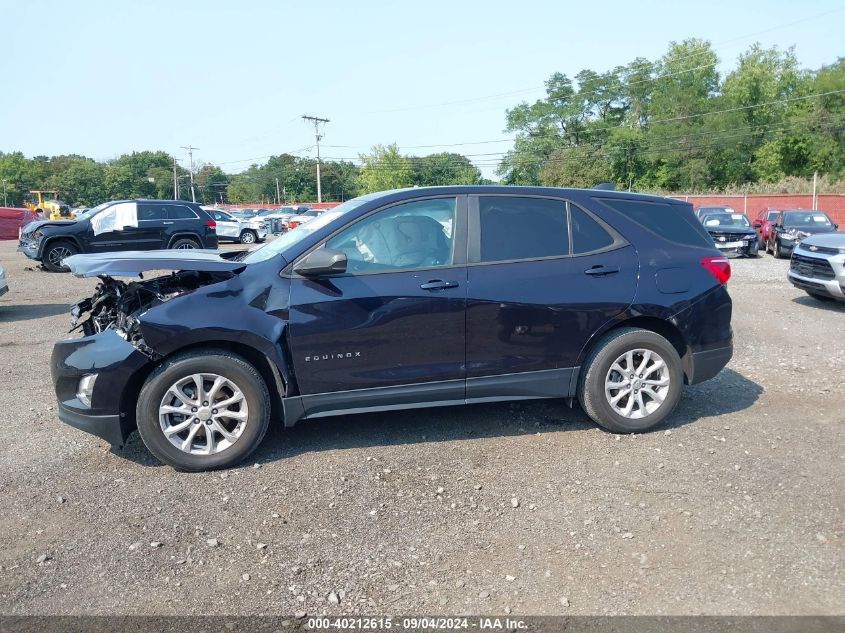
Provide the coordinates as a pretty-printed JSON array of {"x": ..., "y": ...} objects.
[{"x": 117, "y": 305}]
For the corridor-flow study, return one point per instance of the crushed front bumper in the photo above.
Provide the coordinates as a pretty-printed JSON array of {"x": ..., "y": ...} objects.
[
  {"x": 29, "y": 248},
  {"x": 117, "y": 364}
]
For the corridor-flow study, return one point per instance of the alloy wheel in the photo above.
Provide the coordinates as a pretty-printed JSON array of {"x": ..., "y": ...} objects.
[
  {"x": 58, "y": 254},
  {"x": 203, "y": 414},
  {"x": 637, "y": 383}
]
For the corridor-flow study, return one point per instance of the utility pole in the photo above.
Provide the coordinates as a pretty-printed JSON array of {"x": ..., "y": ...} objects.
[
  {"x": 318, "y": 136},
  {"x": 5, "y": 203},
  {"x": 175, "y": 181},
  {"x": 190, "y": 149},
  {"x": 278, "y": 193}
]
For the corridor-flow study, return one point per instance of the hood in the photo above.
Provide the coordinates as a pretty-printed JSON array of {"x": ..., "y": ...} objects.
[
  {"x": 133, "y": 263},
  {"x": 34, "y": 226},
  {"x": 810, "y": 230},
  {"x": 827, "y": 240}
]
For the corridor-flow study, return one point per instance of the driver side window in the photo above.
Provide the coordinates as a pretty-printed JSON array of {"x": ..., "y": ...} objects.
[{"x": 412, "y": 235}]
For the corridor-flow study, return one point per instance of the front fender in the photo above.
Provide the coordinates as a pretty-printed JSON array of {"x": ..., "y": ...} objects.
[{"x": 241, "y": 310}]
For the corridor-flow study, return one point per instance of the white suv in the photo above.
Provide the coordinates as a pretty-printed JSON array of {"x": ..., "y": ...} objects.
[
  {"x": 818, "y": 266},
  {"x": 243, "y": 230}
]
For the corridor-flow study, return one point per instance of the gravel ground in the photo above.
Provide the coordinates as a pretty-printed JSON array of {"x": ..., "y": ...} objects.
[{"x": 734, "y": 507}]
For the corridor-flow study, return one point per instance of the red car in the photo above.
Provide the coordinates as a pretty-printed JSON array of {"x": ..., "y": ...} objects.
[{"x": 763, "y": 225}]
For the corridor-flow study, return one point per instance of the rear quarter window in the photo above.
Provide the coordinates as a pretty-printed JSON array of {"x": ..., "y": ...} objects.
[
  {"x": 669, "y": 221},
  {"x": 179, "y": 212}
]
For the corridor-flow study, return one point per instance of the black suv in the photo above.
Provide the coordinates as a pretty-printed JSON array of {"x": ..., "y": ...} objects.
[
  {"x": 121, "y": 225},
  {"x": 417, "y": 297}
]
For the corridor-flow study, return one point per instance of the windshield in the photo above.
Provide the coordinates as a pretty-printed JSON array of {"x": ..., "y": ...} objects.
[
  {"x": 286, "y": 240},
  {"x": 726, "y": 220},
  {"x": 89, "y": 213},
  {"x": 808, "y": 219}
]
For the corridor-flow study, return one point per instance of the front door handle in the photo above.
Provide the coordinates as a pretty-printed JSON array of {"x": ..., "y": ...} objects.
[
  {"x": 167, "y": 222},
  {"x": 602, "y": 270},
  {"x": 438, "y": 284}
]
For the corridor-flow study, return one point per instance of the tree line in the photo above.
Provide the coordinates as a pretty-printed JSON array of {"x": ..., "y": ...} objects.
[
  {"x": 82, "y": 181},
  {"x": 669, "y": 125},
  {"x": 675, "y": 125}
]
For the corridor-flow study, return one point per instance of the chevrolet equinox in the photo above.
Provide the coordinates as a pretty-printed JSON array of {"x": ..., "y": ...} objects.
[{"x": 399, "y": 299}]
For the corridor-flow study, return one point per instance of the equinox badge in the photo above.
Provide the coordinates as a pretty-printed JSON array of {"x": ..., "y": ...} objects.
[{"x": 340, "y": 356}]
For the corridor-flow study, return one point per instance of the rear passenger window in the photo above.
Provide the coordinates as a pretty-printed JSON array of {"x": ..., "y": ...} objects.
[
  {"x": 178, "y": 212},
  {"x": 587, "y": 234},
  {"x": 148, "y": 211},
  {"x": 522, "y": 228},
  {"x": 669, "y": 221}
]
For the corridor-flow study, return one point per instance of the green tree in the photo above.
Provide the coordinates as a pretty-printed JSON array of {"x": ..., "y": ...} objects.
[
  {"x": 384, "y": 168},
  {"x": 445, "y": 168}
]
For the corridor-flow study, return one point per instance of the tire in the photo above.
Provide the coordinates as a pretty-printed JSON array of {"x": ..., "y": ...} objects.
[
  {"x": 248, "y": 237},
  {"x": 597, "y": 370},
  {"x": 238, "y": 376},
  {"x": 779, "y": 252},
  {"x": 55, "y": 252},
  {"x": 820, "y": 297},
  {"x": 185, "y": 243}
]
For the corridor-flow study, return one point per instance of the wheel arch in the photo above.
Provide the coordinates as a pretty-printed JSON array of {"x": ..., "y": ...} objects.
[
  {"x": 663, "y": 327},
  {"x": 185, "y": 235},
  {"x": 51, "y": 239},
  {"x": 264, "y": 365}
]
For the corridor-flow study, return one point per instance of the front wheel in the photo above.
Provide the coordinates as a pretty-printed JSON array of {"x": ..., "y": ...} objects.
[
  {"x": 203, "y": 410},
  {"x": 632, "y": 381},
  {"x": 780, "y": 252},
  {"x": 248, "y": 237},
  {"x": 55, "y": 254}
]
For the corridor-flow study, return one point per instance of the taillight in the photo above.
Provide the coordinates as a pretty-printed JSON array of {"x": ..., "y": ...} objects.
[
  {"x": 211, "y": 224},
  {"x": 719, "y": 267}
]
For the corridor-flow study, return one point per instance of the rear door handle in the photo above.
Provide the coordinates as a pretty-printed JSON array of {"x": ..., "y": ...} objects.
[
  {"x": 438, "y": 284},
  {"x": 602, "y": 270},
  {"x": 167, "y": 222}
]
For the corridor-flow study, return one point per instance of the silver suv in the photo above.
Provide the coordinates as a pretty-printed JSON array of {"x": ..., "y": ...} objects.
[
  {"x": 818, "y": 266},
  {"x": 243, "y": 230}
]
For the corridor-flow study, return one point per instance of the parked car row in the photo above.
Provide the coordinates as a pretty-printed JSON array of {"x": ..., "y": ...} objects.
[
  {"x": 807, "y": 236},
  {"x": 775, "y": 231}
]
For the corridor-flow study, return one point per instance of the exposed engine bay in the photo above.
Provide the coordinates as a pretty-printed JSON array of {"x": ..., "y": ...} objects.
[{"x": 117, "y": 305}]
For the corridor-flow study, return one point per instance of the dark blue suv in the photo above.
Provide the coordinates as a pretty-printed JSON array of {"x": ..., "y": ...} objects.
[{"x": 400, "y": 299}]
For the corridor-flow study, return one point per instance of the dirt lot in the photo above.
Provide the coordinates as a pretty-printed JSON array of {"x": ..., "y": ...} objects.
[{"x": 735, "y": 507}]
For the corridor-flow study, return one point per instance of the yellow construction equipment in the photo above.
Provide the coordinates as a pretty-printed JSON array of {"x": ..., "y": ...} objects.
[{"x": 48, "y": 205}]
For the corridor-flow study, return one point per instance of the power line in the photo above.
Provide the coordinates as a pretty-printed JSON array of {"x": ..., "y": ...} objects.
[{"x": 616, "y": 75}]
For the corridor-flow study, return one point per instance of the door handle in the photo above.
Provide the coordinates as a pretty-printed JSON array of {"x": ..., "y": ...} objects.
[
  {"x": 602, "y": 270},
  {"x": 438, "y": 284},
  {"x": 167, "y": 222}
]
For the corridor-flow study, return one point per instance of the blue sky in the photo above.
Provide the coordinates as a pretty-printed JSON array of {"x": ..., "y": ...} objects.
[{"x": 233, "y": 78}]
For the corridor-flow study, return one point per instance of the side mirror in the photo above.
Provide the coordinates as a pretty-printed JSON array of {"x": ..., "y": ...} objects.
[
  {"x": 323, "y": 261},
  {"x": 757, "y": 225}
]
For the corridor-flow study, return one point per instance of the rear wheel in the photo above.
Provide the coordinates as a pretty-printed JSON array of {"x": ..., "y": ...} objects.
[
  {"x": 248, "y": 237},
  {"x": 203, "y": 410},
  {"x": 55, "y": 254},
  {"x": 184, "y": 243},
  {"x": 632, "y": 381}
]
